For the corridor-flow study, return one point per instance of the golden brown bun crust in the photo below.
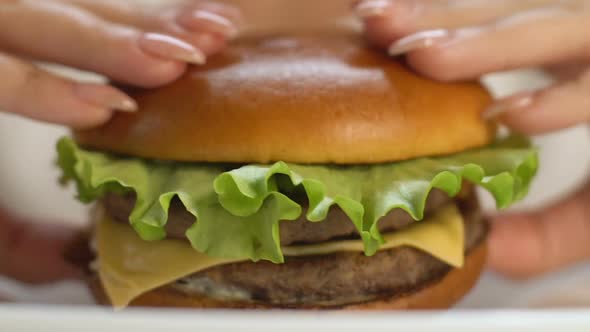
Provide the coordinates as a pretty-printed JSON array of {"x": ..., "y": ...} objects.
[
  {"x": 323, "y": 99},
  {"x": 440, "y": 294}
]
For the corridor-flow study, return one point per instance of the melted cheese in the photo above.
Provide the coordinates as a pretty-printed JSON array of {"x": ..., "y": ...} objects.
[{"x": 129, "y": 266}]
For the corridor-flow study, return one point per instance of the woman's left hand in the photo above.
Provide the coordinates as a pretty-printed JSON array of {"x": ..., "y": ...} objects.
[
  {"x": 453, "y": 40},
  {"x": 126, "y": 43}
]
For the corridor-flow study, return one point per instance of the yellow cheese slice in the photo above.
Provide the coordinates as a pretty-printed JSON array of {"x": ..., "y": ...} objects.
[{"x": 129, "y": 266}]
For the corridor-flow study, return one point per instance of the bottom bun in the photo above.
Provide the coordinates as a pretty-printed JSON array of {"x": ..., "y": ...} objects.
[{"x": 437, "y": 294}]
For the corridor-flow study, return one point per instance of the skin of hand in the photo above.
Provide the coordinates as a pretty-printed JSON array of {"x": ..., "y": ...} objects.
[
  {"x": 33, "y": 252},
  {"x": 454, "y": 40},
  {"x": 129, "y": 44}
]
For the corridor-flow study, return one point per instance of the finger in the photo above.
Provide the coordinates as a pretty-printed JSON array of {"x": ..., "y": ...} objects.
[
  {"x": 28, "y": 91},
  {"x": 527, "y": 245},
  {"x": 542, "y": 37},
  {"x": 33, "y": 253},
  {"x": 386, "y": 20},
  {"x": 568, "y": 71},
  {"x": 207, "y": 25},
  {"x": 557, "y": 107},
  {"x": 139, "y": 15},
  {"x": 53, "y": 32}
]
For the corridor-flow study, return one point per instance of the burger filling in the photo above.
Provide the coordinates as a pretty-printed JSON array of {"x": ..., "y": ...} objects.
[
  {"x": 335, "y": 279},
  {"x": 289, "y": 234},
  {"x": 300, "y": 231},
  {"x": 330, "y": 272}
]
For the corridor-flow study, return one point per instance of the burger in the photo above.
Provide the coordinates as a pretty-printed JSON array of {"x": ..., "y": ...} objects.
[{"x": 294, "y": 171}]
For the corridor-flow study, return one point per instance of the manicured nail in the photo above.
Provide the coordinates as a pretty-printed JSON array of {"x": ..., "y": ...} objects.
[
  {"x": 419, "y": 40},
  {"x": 171, "y": 48},
  {"x": 371, "y": 8},
  {"x": 201, "y": 20},
  {"x": 514, "y": 103},
  {"x": 105, "y": 96}
]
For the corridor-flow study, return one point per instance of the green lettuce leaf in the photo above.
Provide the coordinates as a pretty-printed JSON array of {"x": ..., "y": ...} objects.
[{"x": 239, "y": 210}]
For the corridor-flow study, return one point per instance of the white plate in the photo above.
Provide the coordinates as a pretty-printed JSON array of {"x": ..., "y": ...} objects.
[
  {"x": 66, "y": 319},
  {"x": 494, "y": 305}
]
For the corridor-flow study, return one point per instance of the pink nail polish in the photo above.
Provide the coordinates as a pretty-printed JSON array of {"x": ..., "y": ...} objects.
[
  {"x": 371, "y": 8},
  {"x": 420, "y": 40},
  {"x": 203, "y": 21},
  {"x": 105, "y": 96},
  {"x": 514, "y": 103},
  {"x": 171, "y": 48}
]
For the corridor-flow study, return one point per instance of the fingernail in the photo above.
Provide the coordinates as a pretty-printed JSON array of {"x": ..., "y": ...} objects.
[
  {"x": 168, "y": 47},
  {"x": 371, "y": 8},
  {"x": 510, "y": 104},
  {"x": 105, "y": 96},
  {"x": 200, "y": 20},
  {"x": 419, "y": 40}
]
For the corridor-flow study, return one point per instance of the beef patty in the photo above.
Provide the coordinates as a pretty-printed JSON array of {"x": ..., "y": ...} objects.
[
  {"x": 334, "y": 279},
  {"x": 325, "y": 280},
  {"x": 336, "y": 225}
]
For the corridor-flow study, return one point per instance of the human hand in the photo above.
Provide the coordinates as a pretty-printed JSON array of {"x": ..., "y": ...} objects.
[
  {"x": 126, "y": 43},
  {"x": 451, "y": 40},
  {"x": 33, "y": 252}
]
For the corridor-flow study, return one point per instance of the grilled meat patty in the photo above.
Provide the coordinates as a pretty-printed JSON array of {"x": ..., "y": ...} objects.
[
  {"x": 336, "y": 225},
  {"x": 330, "y": 280}
]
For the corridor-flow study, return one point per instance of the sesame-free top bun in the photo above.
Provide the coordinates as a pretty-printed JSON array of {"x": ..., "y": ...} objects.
[{"x": 323, "y": 98}]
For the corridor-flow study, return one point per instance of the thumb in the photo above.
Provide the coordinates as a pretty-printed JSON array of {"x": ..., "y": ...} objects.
[{"x": 526, "y": 245}]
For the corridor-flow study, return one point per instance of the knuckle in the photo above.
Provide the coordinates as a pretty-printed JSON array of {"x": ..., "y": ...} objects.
[
  {"x": 31, "y": 76},
  {"x": 27, "y": 79}
]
